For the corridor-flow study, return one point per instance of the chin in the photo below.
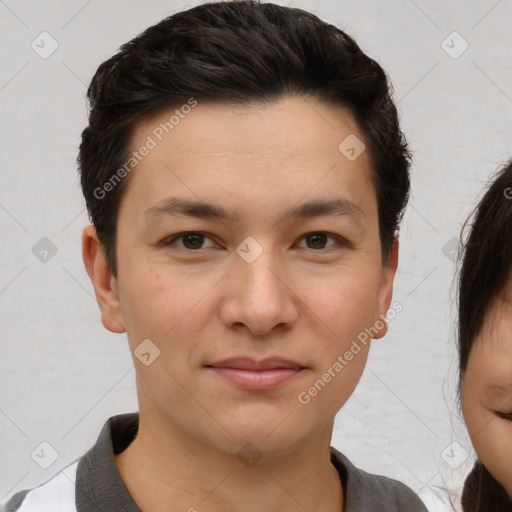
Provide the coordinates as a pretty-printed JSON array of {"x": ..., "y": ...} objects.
[{"x": 262, "y": 436}]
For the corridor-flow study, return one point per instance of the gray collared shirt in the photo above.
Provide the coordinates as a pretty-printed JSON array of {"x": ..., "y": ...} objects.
[{"x": 93, "y": 484}]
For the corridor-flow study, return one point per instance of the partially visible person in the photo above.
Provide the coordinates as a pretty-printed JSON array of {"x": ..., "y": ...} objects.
[{"x": 485, "y": 347}]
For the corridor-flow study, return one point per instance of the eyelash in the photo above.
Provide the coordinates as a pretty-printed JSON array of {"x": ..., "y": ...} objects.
[
  {"x": 504, "y": 415},
  {"x": 340, "y": 241}
]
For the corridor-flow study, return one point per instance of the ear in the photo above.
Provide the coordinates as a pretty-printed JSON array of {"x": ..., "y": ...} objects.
[
  {"x": 386, "y": 289},
  {"x": 105, "y": 284}
]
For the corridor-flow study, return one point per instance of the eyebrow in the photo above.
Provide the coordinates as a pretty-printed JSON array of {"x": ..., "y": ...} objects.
[
  {"x": 500, "y": 389},
  {"x": 175, "y": 206}
]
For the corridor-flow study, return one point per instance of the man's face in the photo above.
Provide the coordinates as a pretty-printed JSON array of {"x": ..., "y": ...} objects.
[
  {"x": 487, "y": 390},
  {"x": 255, "y": 284}
]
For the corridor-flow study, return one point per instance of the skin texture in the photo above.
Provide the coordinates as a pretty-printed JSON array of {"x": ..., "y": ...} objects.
[
  {"x": 200, "y": 306},
  {"x": 487, "y": 390}
]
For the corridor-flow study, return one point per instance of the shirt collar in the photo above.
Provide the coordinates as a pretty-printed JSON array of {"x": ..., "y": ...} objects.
[{"x": 99, "y": 484}]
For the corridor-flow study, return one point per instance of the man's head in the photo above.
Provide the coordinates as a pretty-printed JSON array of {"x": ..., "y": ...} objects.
[
  {"x": 234, "y": 53},
  {"x": 249, "y": 249}
]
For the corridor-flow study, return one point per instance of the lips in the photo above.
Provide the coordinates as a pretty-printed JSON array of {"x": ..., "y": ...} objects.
[
  {"x": 245, "y": 363},
  {"x": 254, "y": 375}
]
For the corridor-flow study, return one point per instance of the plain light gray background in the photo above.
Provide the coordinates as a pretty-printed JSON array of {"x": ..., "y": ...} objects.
[{"x": 62, "y": 374}]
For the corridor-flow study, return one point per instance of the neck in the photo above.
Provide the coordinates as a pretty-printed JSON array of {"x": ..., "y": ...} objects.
[{"x": 165, "y": 469}]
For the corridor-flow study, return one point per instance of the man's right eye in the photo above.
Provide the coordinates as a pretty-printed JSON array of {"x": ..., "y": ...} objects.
[{"x": 191, "y": 240}]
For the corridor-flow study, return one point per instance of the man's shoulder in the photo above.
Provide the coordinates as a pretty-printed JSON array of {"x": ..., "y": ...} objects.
[
  {"x": 367, "y": 492},
  {"x": 57, "y": 493},
  {"x": 91, "y": 482}
]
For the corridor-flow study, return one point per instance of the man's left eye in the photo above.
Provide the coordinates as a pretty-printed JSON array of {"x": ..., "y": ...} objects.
[{"x": 318, "y": 240}]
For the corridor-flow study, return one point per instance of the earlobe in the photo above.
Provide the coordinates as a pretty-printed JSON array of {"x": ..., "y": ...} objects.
[
  {"x": 386, "y": 290},
  {"x": 105, "y": 284},
  {"x": 380, "y": 327}
]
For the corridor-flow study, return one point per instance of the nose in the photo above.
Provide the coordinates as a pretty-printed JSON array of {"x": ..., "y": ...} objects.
[{"x": 258, "y": 296}]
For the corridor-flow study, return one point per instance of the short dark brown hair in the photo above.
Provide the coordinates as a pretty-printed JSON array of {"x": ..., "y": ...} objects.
[{"x": 237, "y": 52}]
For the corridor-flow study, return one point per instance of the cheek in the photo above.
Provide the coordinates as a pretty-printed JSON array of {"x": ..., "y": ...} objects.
[
  {"x": 348, "y": 304},
  {"x": 344, "y": 312},
  {"x": 478, "y": 419},
  {"x": 158, "y": 304},
  {"x": 493, "y": 444},
  {"x": 491, "y": 436}
]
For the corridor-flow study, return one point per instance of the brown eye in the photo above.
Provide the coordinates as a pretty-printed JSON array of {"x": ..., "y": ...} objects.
[
  {"x": 192, "y": 240},
  {"x": 318, "y": 240}
]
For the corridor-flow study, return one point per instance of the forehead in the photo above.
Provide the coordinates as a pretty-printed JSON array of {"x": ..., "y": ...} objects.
[
  {"x": 491, "y": 355},
  {"x": 496, "y": 332},
  {"x": 284, "y": 148}
]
